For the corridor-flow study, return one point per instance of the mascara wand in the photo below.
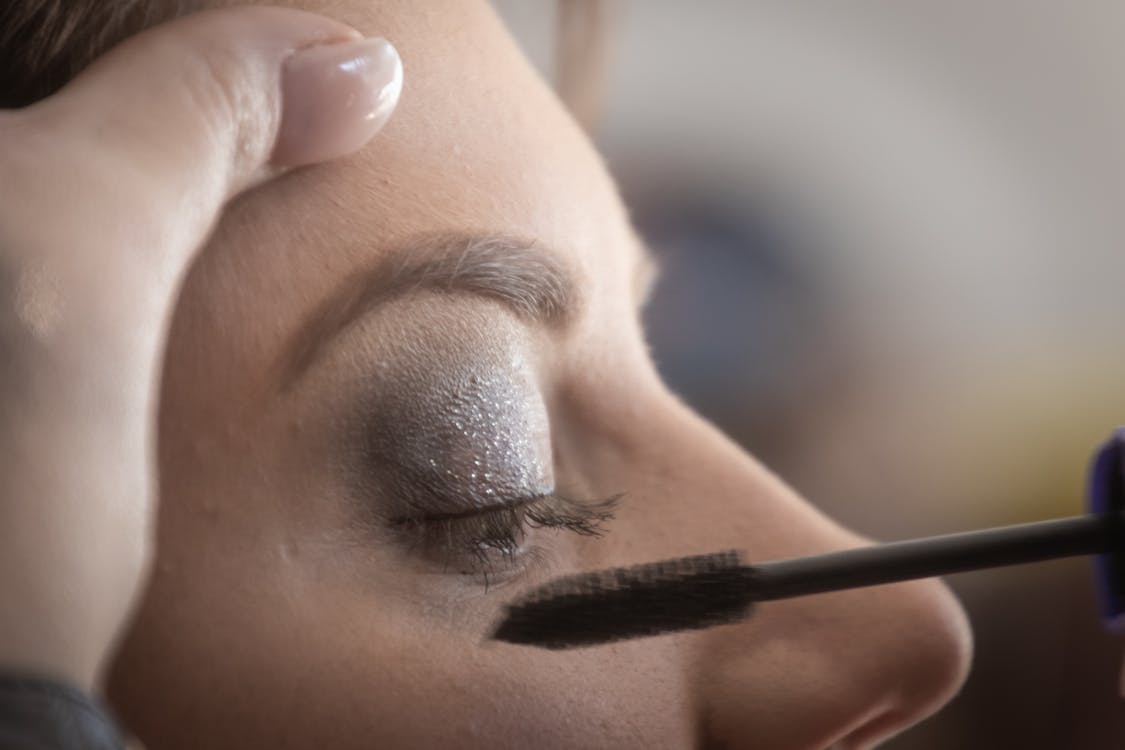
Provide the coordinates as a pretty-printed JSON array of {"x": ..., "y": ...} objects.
[{"x": 715, "y": 589}]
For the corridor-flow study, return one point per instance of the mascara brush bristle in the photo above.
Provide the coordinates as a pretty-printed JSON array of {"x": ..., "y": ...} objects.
[{"x": 610, "y": 605}]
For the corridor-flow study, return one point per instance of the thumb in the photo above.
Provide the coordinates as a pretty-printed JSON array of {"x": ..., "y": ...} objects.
[{"x": 218, "y": 101}]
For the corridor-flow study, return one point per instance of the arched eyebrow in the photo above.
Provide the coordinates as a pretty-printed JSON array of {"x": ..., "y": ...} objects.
[{"x": 526, "y": 278}]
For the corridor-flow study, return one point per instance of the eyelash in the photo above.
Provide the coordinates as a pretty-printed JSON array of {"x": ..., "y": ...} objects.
[{"x": 489, "y": 538}]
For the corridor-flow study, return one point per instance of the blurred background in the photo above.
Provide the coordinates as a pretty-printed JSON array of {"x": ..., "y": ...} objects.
[{"x": 892, "y": 242}]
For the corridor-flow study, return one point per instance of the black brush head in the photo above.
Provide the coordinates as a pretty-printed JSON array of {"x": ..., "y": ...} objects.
[{"x": 612, "y": 605}]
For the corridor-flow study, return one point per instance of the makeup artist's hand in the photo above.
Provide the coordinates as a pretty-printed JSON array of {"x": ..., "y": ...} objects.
[{"x": 107, "y": 190}]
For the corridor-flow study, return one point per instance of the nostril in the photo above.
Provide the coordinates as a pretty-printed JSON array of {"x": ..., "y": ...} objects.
[
  {"x": 931, "y": 661},
  {"x": 846, "y": 670},
  {"x": 871, "y": 732},
  {"x": 878, "y": 724},
  {"x": 948, "y": 646}
]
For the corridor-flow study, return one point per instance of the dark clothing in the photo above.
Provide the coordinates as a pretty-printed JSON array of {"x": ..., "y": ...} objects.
[{"x": 38, "y": 714}]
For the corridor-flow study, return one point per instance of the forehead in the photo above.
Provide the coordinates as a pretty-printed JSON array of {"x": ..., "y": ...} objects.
[{"x": 479, "y": 143}]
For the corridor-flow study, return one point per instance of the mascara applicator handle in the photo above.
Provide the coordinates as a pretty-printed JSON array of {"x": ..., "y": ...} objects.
[
  {"x": 1105, "y": 496},
  {"x": 935, "y": 556}
]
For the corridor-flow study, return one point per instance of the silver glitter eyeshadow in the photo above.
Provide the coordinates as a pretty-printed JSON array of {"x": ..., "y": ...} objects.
[{"x": 475, "y": 436}]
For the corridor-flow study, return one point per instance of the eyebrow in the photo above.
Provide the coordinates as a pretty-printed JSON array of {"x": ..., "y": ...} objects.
[{"x": 521, "y": 275}]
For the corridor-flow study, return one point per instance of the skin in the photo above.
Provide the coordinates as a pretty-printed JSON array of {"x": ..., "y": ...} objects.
[
  {"x": 282, "y": 613},
  {"x": 177, "y": 120}
]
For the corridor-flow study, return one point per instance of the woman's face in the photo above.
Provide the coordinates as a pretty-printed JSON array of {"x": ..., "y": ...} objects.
[{"x": 372, "y": 356}]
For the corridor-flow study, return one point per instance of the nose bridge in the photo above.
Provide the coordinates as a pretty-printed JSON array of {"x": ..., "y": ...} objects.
[{"x": 845, "y": 667}]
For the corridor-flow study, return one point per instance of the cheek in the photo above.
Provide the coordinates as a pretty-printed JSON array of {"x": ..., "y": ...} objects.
[
  {"x": 263, "y": 628},
  {"x": 390, "y": 677},
  {"x": 299, "y": 655}
]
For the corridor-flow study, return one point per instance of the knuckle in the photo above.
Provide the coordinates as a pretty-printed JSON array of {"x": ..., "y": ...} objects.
[{"x": 227, "y": 91}]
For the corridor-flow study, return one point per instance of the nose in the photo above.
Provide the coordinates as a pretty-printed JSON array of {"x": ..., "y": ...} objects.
[
  {"x": 843, "y": 670},
  {"x": 838, "y": 670}
]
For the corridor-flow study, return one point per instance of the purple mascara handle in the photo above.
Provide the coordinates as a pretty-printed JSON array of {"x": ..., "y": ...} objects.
[{"x": 1107, "y": 496}]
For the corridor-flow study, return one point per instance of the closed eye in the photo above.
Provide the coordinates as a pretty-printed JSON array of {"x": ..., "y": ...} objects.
[{"x": 491, "y": 541}]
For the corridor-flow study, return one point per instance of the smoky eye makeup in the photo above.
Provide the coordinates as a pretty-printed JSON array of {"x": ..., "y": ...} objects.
[
  {"x": 465, "y": 437},
  {"x": 452, "y": 451}
]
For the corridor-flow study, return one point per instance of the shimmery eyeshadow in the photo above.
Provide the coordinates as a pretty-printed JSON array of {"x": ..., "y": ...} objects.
[
  {"x": 500, "y": 429},
  {"x": 462, "y": 427},
  {"x": 477, "y": 435}
]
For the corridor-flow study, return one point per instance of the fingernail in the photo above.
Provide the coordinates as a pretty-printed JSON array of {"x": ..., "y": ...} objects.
[{"x": 335, "y": 97}]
